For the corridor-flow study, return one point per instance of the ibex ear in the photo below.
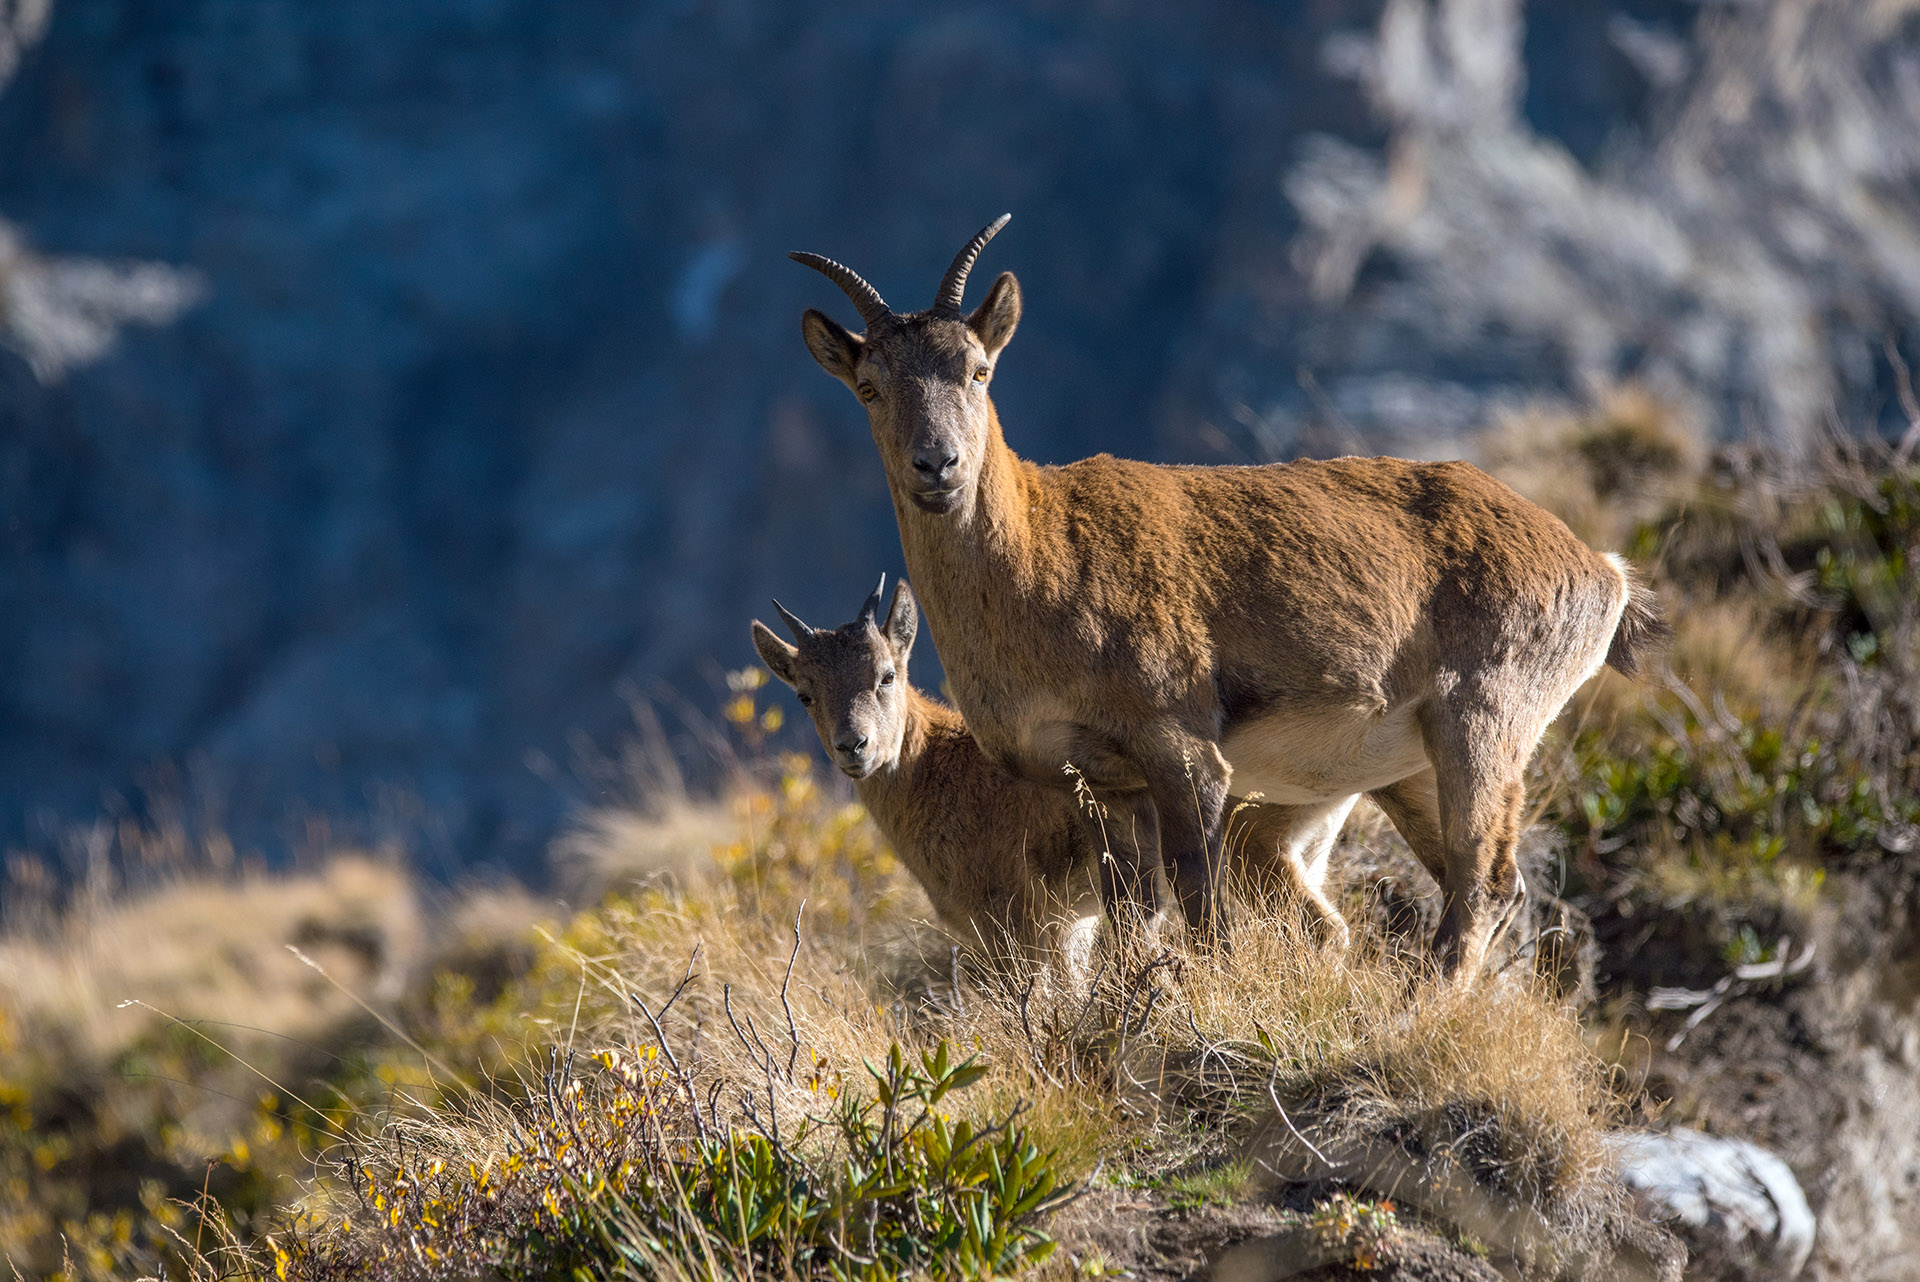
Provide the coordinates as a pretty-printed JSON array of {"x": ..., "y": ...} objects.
[
  {"x": 994, "y": 320},
  {"x": 779, "y": 656},
  {"x": 903, "y": 621},
  {"x": 837, "y": 350}
]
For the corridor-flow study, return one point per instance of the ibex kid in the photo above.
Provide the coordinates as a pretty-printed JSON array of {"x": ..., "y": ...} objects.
[{"x": 1004, "y": 860}]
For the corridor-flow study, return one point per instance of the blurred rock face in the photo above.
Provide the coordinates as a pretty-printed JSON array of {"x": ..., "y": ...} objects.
[
  {"x": 495, "y": 408},
  {"x": 496, "y": 399}
]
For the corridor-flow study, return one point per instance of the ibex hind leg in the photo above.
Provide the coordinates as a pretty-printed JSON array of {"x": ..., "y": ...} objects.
[
  {"x": 1481, "y": 798},
  {"x": 1479, "y": 739},
  {"x": 1281, "y": 854}
]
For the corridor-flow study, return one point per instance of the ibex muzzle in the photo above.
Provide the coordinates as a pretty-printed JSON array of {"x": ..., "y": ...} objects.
[
  {"x": 849, "y": 684},
  {"x": 923, "y": 376}
]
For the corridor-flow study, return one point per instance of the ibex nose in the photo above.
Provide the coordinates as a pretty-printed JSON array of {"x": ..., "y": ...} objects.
[
  {"x": 935, "y": 465},
  {"x": 851, "y": 744}
]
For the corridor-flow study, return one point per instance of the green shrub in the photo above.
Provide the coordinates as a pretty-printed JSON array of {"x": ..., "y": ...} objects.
[
  {"x": 619, "y": 1174},
  {"x": 1740, "y": 790}
]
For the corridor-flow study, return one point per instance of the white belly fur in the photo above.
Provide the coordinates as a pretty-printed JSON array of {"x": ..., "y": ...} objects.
[{"x": 1296, "y": 758}]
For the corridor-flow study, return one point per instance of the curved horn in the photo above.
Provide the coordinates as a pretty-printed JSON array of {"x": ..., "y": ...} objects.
[
  {"x": 865, "y": 297},
  {"x": 800, "y": 630},
  {"x": 871, "y": 610},
  {"x": 954, "y": 284}
]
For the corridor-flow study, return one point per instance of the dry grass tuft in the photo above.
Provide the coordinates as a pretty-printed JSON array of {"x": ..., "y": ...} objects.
[
  {"x": 216, "y": 947},
  {"x": 757, "y": 997},
  {"x": 1604, "y": 468}
]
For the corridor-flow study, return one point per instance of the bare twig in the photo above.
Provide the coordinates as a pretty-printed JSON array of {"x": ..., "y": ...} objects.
[
  {"x": 681, "y": 986},
  {"x": 793, "y": 1029},
  {"x": 766, "y": 1054},
  {"x": 679, "y": 1071},
  {"x": 726, "y": 1004},
  {"x": 1280, "y": 1111},
  {"x": 1209, "y": 1048},
  {"x": 1705, "y": 1001},
  {"x": 1126, "y": 1011},
  {"x": 1086, "y": 1006}
]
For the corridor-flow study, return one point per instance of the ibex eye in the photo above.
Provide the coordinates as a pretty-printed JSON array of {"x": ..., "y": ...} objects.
[
  {"x": 806, "y": 701},
  {"x": 868, "y": 392},
  {"x": 980, "y": 375},
  {"x": 886, "y": 678}
]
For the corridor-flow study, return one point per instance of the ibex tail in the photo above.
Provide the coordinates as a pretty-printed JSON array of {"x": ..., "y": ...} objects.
[{"x": 1642, "y": 631}]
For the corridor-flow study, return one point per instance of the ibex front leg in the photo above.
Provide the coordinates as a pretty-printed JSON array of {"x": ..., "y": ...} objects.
[
  {"x": 1189, "y": 794},
  {"x": 1123, "y": 829}
]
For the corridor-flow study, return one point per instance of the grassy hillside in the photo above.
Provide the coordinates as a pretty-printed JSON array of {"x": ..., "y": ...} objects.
[{"x": 745, "y": 1050}]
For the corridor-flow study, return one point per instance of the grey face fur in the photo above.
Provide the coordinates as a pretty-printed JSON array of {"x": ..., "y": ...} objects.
[
  {"x": 852, "y": 680},
  {"x": 922, "y": 376}
]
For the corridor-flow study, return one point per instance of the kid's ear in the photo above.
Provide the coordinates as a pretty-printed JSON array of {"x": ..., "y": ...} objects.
[
  {"x": 994, "y": 320},
  {"x": 778, "y": 655},
  {"x": 903, "y": 621},
  {"x": 837, "y": 350}
]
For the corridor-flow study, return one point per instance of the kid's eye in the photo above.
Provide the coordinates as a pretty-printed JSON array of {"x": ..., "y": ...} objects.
[{"x": 806, "y": 701}]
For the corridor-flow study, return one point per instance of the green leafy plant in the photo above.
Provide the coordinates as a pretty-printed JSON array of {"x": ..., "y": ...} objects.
[
  {"x": 1741, "y": 793},
  {"x": 910, "y": 1190},
  {"x": 617, "y": 1174}
]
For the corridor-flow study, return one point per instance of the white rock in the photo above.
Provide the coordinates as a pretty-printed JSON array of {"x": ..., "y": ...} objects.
[{"x": 1726, "y": 1192}]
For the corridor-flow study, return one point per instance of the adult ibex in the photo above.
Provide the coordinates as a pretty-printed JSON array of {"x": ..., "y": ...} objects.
[
  {"x": 1006, "y": 862},
  {"x": 1312, "y": 630}
]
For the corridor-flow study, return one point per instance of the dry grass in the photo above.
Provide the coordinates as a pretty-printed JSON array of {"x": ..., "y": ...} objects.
[
  {"x": 803, "y": 955},
  {"x": 157, "y": 1031},
  {"x": 210, "y": 948},
  {"x": 1357, "y": 1029}
]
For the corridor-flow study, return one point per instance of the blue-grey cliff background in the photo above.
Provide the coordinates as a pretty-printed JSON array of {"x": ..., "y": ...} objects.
[{"x": 489, "y": 413}]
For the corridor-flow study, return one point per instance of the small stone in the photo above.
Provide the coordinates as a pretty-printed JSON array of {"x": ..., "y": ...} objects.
[{"x": 1728, "y": 1199}]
